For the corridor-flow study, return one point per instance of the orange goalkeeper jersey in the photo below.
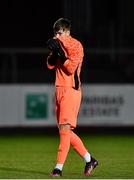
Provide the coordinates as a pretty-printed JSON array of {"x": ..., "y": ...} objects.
[{"x": 68, "y": 74}]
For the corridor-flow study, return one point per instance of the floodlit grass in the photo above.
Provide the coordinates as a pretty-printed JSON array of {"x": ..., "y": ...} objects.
[{"x": 33, "y": 157}]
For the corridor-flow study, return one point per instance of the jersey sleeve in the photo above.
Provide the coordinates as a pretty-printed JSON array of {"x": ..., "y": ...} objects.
[{"x": 75, "y": 57}]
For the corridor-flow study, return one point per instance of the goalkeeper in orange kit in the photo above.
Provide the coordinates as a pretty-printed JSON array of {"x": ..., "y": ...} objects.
[{"x": 66, "y": 56}]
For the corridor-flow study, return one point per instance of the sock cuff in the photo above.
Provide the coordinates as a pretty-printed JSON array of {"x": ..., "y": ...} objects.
[
  {"x": 59, "y": 166},
  {"x": 87, "y": 157}
]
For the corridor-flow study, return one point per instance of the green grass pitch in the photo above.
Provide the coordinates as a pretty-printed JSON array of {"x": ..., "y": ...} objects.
[{"x": 33, "y": 157}]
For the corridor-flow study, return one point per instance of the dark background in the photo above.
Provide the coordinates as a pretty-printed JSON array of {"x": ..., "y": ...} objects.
[{"x": 105, "y": 28}]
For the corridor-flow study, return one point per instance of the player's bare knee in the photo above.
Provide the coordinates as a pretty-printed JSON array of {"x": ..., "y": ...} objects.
[{"x": 64, "y": 127}]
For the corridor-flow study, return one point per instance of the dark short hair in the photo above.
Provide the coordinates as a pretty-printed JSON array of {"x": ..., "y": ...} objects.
[{"x": 61, "y": 23}]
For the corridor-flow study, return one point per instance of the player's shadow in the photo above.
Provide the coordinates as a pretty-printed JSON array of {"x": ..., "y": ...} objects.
[{"x": 22, "y": 170}]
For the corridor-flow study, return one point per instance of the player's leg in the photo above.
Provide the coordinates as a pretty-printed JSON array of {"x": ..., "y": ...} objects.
[
  {"x": 65, "y": 134},
  {"x": 77, "y": 143},
  {"x": 63, "y": 111},
  {"x": 79, "y": 147}
]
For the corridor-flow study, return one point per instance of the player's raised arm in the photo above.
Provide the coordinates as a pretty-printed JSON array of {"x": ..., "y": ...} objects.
[{"x": 74, "y": 59}]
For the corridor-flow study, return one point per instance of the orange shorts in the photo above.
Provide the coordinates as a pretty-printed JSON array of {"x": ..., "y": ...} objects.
[{"x": 67, "y": 102}]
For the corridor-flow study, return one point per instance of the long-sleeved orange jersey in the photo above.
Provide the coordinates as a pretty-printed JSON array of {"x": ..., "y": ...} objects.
[{"x": 68, "y": 74}]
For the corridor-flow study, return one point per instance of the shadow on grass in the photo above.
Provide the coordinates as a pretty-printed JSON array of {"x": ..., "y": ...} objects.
[{"x": 22, "y": 171}]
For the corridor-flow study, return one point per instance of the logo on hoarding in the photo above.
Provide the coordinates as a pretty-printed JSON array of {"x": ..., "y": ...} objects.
[{"x": 36, "y": 106}]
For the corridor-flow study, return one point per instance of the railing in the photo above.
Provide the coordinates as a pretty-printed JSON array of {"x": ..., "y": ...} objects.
[
  {"x": 13, "y": 52},
  {"x": 87, "y": 50}
]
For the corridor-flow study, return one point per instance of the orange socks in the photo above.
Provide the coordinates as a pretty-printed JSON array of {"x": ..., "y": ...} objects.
[
  {"x": 68, "y": 137},
  {"x": 77, "y": 144},
  {"x": 64, "y": 145}
]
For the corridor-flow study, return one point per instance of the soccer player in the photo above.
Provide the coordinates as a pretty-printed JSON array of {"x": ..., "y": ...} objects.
[{"x": 66, "y": 56}]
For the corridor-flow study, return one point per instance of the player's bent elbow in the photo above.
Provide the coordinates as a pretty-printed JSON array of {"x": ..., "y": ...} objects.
[
  {"x": 70, "y": 72},
  {"x": 69, "y": 67}
]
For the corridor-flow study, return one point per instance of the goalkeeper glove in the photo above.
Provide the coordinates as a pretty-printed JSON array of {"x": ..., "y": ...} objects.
[
  {"x": 52, "y": 59},
  {"x": 55, "y": 46}
]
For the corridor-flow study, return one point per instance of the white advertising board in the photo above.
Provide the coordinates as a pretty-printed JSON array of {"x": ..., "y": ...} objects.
[
  {"x": 107, "y": 105},
  {"x": 33, "y": 105}
]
